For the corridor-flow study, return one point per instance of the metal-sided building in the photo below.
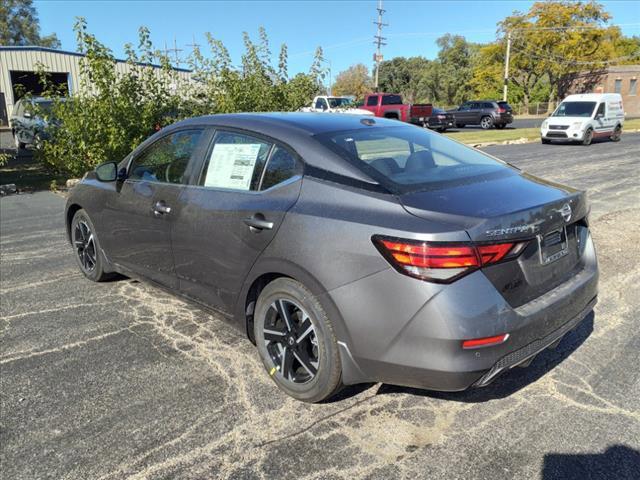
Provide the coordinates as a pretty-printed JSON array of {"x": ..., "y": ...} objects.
[{"x": 19, "y": 66}]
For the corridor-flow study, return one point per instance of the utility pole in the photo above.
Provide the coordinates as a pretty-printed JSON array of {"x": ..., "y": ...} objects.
[
  {"x": 506, "y": 67},
  {"x": 379, "y": 40},
  {"x": 176, "y": 50},
  {"x": 195, "y": 46}
]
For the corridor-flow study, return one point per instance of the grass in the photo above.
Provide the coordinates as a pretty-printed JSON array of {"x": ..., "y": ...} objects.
[{"x": 481, "y": 136}]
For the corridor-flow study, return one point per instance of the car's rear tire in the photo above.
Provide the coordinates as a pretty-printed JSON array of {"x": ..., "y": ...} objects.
[
  {"x": 617, "y": 134},
  {"x": 500, "y": 126},
  {"x": 87, "y": 248},
  {"x": 486, "y": 122},
  {"x": 588, "y": 137},
  {"x": 460, "y": 125},
  {"x": 296, "y": 341}
]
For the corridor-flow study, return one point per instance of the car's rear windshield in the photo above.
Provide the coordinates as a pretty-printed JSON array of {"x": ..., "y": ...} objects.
[
  {"x": 505, "y": 105},
  {"x": 575, "y": 109},
  {"x": 406, "y": 159}
]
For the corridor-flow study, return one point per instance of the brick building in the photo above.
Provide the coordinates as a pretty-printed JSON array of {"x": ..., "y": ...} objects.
[{"x": 622, "y": 79}]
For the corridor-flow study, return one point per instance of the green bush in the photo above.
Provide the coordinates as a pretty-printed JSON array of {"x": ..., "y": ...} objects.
[{"x": 113, "y": 112}]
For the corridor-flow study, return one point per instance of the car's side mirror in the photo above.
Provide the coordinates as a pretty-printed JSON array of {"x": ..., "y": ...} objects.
[
  {"x": 107, "y": 172},
  {"x": 599, "y": 116},
  {"x": 27, "y": 115}
]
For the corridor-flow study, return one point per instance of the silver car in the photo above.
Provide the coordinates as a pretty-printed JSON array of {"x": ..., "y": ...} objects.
[
  {"x": 27, "y": 122},
  {"x": 348, "y": 249}
]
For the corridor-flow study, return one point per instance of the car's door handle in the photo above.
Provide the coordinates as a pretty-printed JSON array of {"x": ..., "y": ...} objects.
[
  {"x": 258, "y": 223},
  {"x": 160, "y": 208}
]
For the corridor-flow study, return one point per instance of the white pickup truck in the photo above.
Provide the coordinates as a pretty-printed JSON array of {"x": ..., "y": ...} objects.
[{"x": 325, "y": 103}]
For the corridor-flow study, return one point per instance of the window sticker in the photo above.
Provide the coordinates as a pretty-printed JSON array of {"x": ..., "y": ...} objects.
[{"x": 231, "y": 165}]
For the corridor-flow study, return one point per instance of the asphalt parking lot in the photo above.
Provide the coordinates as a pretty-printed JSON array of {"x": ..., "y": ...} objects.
[{"x": 121, "y": 380}]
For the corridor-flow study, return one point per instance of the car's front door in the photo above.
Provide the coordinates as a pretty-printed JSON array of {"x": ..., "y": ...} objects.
[
  {"x": 141, "y": 214},
  {"x": 246, "y": 186},
  {"x": 603, "y": 122}
]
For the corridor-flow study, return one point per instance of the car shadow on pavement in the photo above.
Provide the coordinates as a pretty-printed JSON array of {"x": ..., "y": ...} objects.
[
  {"x": 618, "y": 461},
  {"x": 512, "y": 380}
]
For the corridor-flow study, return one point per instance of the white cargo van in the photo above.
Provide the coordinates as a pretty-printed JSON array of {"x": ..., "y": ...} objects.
[{"x": 583, "y": 117}]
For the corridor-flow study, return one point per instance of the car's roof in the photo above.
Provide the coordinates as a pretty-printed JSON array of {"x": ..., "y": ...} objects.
[
  {"x": 311, "y": 123},
  {"x": 591, "y": 96},
  {"x": 295, "y": 129}
]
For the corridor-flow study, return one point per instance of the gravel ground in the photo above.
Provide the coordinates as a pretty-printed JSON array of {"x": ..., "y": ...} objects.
[{"x": 121, "y": 380}]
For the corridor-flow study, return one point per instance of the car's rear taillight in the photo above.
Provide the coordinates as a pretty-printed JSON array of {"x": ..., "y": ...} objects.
[
  {"x": 502, "y": 110},
  {"x": 441, "y": 262},
  {"x": 442, "y": 117}
]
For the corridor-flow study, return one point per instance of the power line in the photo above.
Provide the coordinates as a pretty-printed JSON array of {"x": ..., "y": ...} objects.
[{"x": 554, "y": 58}]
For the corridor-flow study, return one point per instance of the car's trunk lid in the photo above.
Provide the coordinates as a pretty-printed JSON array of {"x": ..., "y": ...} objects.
[{"x": 516, "y": 207}]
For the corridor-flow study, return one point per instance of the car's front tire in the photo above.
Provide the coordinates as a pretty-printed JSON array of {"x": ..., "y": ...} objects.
[
  {"x": 545, "y": 141},
  {"x": 588, "y": 137},
  {"x": 87, "y": 248},
  {"x": 296, "y": 341}
]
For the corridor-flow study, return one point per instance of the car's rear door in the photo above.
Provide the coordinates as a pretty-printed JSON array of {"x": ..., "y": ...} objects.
[
  {"x": 141, "y": 214},
  {"x": 231, "y": 213}
]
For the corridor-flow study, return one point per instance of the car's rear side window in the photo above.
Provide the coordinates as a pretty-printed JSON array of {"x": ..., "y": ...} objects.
[
  {"x": 282, "y": 165},
  {"x": 235, "y": 162},
  {"x": 167, "y": 159},
  {"x": 372, "y": 101},
  {"x": 391, "y": 100},
  {"x": 408, "y": 158}
]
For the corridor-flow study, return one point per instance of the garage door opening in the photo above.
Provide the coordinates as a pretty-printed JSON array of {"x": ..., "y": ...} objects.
[{"x": 23, "y": 82}]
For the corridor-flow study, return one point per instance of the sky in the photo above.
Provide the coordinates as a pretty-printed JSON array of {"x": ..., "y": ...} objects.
[{"x": 344, "y": 29}]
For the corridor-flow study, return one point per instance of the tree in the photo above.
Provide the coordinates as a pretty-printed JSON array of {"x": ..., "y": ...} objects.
[
  {"x": 113, "y": 111},
  {"x": 19, "y": 25},
  {"x": 454, "y": 68},
  {"x": 405, "y": 76},
  {"x": 355, "y": 80},
  {"x": 555, "y": 42}
]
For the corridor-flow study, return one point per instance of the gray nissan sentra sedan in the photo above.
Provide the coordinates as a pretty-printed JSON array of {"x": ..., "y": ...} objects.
[{"x": 348, "y": 249}]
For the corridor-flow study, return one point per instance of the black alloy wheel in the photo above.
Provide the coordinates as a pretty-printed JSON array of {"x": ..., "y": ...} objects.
[
  {"x": 296, "y": 341},
  {"x": 87, "y": 248},
  {"x": 291, "y": 341},
  {"x": 85, "y": 245}
]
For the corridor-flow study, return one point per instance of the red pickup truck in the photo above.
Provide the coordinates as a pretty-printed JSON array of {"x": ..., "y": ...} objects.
[{"x": 389, "y": 105}]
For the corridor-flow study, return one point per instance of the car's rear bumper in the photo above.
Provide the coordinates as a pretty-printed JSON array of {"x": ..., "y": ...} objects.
[
  {"x": 412, "y": 335},
  {"x": 527, "y": 353}
]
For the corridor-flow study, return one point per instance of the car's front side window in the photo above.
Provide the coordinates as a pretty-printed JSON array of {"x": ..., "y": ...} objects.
[
  {"x": 235, "y": 162},
  {"x": 167, "y": 159}
]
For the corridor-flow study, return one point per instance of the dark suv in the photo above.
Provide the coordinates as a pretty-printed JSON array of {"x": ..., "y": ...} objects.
[{"x": 486, "y": 113}]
